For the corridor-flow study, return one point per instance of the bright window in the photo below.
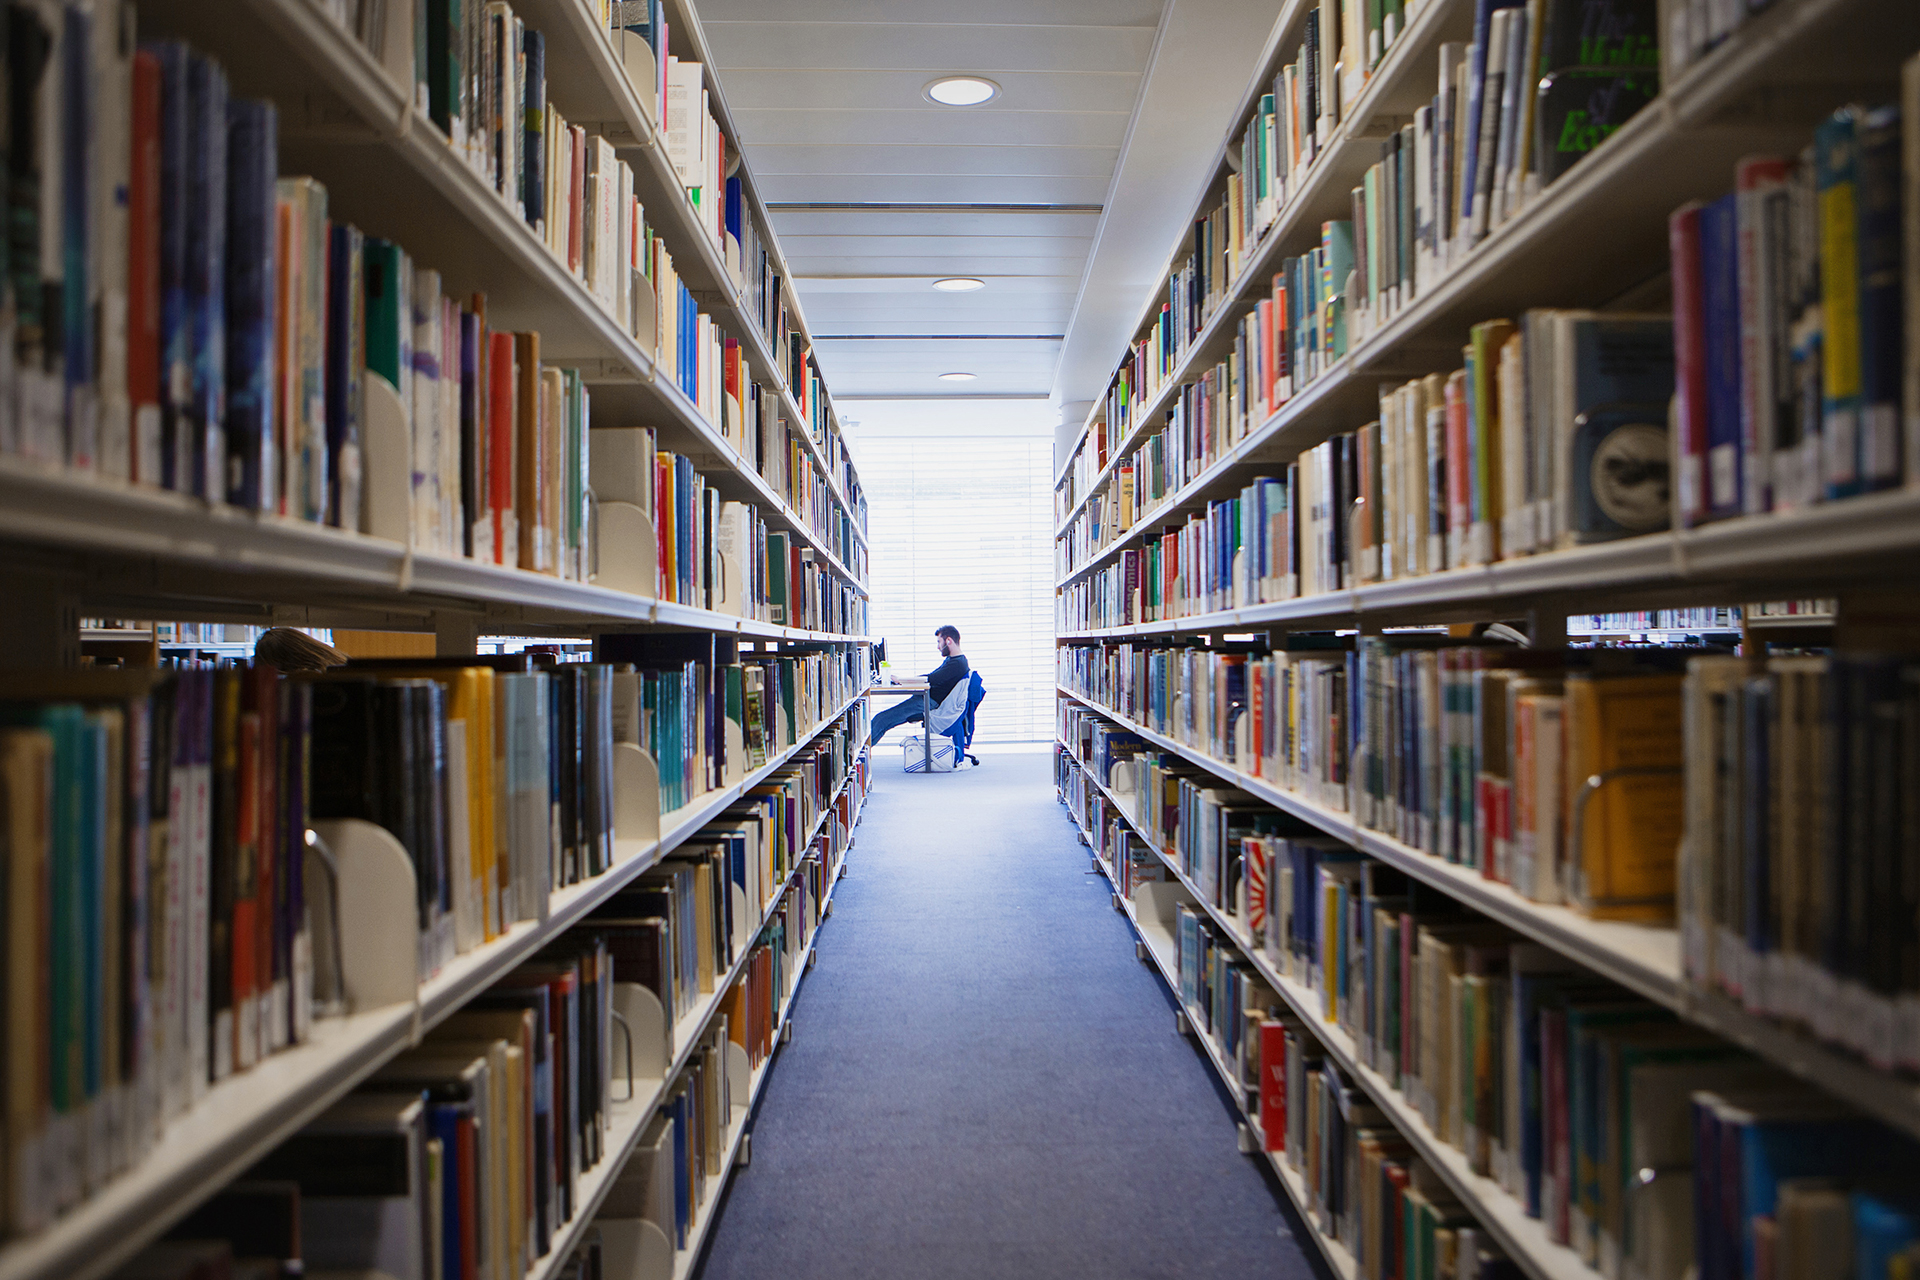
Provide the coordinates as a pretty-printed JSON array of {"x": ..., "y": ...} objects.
[{"x": 959, "y": 509}]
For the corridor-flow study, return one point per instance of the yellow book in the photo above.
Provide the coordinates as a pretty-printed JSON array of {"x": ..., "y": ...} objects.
[
  {"x": 475, "y": 768},
  {"x": 1621, "y": 849}
]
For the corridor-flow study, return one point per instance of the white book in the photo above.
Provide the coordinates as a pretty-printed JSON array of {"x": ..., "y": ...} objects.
[
  {"x": 427, "y": 316},
  {"x": 684, "y": 112}
]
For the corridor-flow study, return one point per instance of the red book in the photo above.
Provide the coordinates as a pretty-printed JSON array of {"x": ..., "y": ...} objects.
[
  {"x": 500, "y": 406},
  {"x": 1689, "y": 358},
  {"x": 263, "y": 694},
  {"x": 143, "y": 271},
  {"x": 466, "y": 1159},
  {"x": 1556, "y": 1154},
  {"x": 1459, "y": 463},
  {"x": 1273, "y": 1085},
  {"x": 1394, "y": 1192}
]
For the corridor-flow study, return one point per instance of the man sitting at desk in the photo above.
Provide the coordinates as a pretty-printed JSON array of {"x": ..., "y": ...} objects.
[{"x": 940, "y": 682}]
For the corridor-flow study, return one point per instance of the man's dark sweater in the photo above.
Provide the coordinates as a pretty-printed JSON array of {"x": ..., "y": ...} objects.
[{"x": 943, "y": 677}]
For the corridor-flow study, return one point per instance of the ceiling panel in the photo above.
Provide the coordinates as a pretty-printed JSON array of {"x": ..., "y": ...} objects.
[
  {"x": 922, "y": 222},
  {"x": 981, "y": 159},
  {"x": 930, "y": 47},
  {"x": 784, "y": 89},
  {"x": 928, "y": 188},
  {"x": 930, "y": 127},
  {"x": 1005, "y": 13},
  {"x": 829, "y": 99}
]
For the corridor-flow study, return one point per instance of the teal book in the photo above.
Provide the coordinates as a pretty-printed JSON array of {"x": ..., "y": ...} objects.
[{"x": 1336, "y": 265}]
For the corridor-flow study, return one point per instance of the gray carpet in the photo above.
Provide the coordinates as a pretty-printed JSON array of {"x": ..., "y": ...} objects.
[{"x": 983, "y": 1080}]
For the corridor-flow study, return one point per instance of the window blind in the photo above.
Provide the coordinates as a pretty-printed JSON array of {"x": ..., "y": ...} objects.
[{"x": 961, "y": 534}]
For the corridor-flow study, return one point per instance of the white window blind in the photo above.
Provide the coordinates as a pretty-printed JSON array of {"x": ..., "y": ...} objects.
[{"x": 960, "y": 535}]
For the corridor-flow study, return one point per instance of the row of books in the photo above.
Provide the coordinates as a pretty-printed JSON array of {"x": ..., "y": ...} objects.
[
  {"x": 1557, "y": 1085},
  {"x": 1542, "y": 83},
  {"x": 255, "y": 326},
  {"x": 159, "y": 863},
  {"x": 1705, "y": 618},
  {"x": 1797, "y": 894},
  {"x": 1363, "y": 1185},
  {"x": 720, "y": 555},
  {"x": 1789, "y": 380},
  {"x": 1507, "y": 456},
  {"x": 1782, "y": 798},
  {"x": 1798, "y": 381},
  {"x": 1478, "y": 755}
]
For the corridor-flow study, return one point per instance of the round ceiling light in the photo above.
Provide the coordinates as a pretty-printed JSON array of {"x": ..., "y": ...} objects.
[
  {"x": 958, "y": 377},
  {"x": 962, "y": 91},
  {"x": 959, "y": 284}
]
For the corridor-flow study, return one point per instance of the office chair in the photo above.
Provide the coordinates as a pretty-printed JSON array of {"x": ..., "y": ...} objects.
[{"x": 961, "y": 730}]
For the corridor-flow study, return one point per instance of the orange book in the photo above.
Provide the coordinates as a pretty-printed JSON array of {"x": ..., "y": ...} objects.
[
  {"x": 1622, "y": 847},
  {"x": 500, "y": 457}
]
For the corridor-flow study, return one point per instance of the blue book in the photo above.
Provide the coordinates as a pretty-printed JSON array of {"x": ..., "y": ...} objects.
[
  {"x": 206, "y": 265},
  {"x": 679, "y": 1110},
  {"x": 76, "y": 341},
  {"x": 1883, "y": 1228},
  {"x": 1476, "y": 83},
  {"x": 1720, "y": 280},
  {"x": 533, "y": 195},
  {"x": 444, "y": 1121},
  {"x": 1882, "y": 298},
  {"x": 253, "y": 130}
]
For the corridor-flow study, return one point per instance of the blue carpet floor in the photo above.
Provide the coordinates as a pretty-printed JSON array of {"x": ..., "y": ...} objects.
[{"x": 983, "y": 1080}]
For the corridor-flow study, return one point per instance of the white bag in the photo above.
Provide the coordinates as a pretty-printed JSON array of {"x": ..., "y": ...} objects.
[{"x": 913, "y": 754}]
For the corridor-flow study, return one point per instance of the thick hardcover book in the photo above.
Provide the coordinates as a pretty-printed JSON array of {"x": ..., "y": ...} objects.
[{"x": 1719, "y": 279}]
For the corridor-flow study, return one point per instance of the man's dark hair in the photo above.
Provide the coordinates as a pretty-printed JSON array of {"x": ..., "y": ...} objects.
[{"x": 951, "y": 633}]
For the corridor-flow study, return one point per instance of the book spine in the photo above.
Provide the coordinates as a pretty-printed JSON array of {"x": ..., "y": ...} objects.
[
  {"x": 1690, "y": 360},
  {"x": 1719, "y": 275},
  {"x": 1836, "y": 187},
  {"x": 252, "y": 459}
]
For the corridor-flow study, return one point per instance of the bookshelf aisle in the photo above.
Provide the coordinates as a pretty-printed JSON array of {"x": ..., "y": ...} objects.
[
  {"x": 456, "y": 320},
  {"x": 1531, "y": 935}
]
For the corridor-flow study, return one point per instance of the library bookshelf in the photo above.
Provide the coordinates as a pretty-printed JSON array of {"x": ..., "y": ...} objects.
[
  {"x": 77, "y": 544},
  {"x": 1595, "y": 238}
]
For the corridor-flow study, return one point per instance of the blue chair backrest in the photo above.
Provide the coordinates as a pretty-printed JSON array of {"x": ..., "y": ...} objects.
[{"x": 962, "y": 730}]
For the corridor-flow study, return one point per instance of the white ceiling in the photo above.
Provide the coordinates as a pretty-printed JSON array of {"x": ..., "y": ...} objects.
[{"x": 827, "y": 97}]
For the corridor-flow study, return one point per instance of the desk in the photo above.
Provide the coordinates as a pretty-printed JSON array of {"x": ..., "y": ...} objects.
[{"x": 922, "y": 688}]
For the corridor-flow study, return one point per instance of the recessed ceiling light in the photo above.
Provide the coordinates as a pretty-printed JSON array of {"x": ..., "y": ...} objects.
[
  {"x": 962, "y": 91},
  {"x": 958, "y": 377},
  {"x": 959, "y": 284}
]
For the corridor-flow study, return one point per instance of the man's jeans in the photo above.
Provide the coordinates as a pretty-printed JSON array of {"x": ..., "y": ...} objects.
[{"x": 905, "y": 711}]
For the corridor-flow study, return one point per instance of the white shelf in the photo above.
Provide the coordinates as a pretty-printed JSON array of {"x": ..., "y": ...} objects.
[
  {"x": 1323, "y": 192},
  {"x": 1761, "y": 90},
  {"x": 1524, "y": 1239},
  {"x": 154, "y": 547},
  {"x": 1643, "y": 958},
  {"x": 391, "y": 171},
  {"x": 630, "y": 1119},
  {"x": 1164, "y": 951},
  {"x": 1871, "y": 538},
  {"x": 685, "y": 1260},
  {"x": 248, "y": 1114}
]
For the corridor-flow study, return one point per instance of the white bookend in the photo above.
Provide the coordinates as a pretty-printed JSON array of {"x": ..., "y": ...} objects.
[
  {"x": 628, "y": 549},
  {"x": 646, "y": 1020},
  {"x": 387, "y": 498},
  {"x": 636, "y": 800},
  {"x": 379, "y": 922}
]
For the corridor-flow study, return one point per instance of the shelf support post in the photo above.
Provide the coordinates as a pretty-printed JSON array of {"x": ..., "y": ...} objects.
[
  {"x": 41, "y": 625},
  {"x": 455, "y": 635}
]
